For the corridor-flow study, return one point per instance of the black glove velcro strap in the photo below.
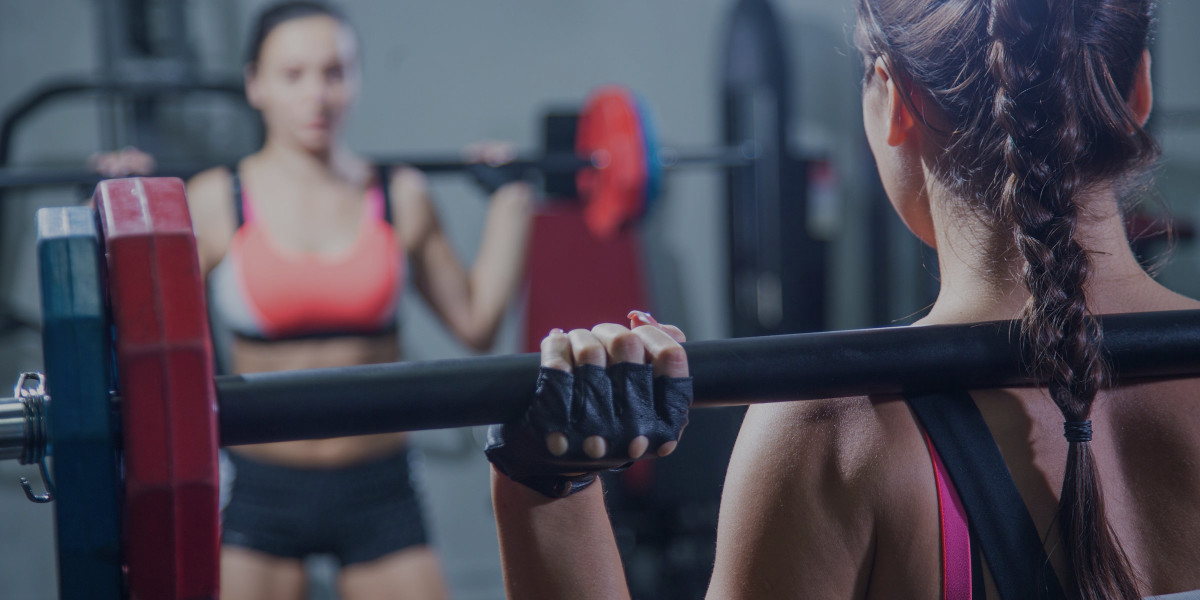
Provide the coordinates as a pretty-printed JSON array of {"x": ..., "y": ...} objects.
[{"x": 494, "y": 177}]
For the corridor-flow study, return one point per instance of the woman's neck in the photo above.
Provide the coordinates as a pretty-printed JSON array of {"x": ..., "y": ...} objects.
[
  {"x": 300, "y": 162},
  {"x": 981, "y": 270}
]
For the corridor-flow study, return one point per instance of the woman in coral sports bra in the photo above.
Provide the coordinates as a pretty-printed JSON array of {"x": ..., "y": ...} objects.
[
  {"x": 305, "y": 245},
  {"x": 1007, "y": 134}
]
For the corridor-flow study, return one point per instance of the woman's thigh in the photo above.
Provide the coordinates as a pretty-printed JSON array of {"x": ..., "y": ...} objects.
[
  {"x": 410, "y": 574},
  {"x": 250, "y": 575}
]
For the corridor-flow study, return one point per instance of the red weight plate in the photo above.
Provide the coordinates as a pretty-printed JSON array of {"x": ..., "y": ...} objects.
[
  {"x": 576, "y": 279},
  {"x": 165, "y": 382},
  {"x": 609, "y": 131}
]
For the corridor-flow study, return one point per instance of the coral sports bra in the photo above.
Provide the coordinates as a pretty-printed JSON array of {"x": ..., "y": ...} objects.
[{"x": 267, "y": 292}]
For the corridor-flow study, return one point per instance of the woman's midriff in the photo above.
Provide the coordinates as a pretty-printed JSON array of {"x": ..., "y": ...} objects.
[{"x": 250, "y": 356}]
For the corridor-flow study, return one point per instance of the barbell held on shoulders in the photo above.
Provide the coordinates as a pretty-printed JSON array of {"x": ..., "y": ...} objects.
[
  {"x": 136, "y": 496},
  {"x": 412, "y": 396},
  {"x": 360, "y": 400}
]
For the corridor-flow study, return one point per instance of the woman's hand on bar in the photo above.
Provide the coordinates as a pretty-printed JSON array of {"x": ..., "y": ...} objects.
[{"x": 605, "y": 397}]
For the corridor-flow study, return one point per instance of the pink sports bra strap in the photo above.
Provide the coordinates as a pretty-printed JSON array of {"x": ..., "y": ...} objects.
[
  {"x": 1002, "y": 532},
  {"x": 956, "y": 537}
]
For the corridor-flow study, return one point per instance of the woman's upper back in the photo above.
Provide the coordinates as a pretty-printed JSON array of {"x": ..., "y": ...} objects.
[{"x": 838, "y": 497}]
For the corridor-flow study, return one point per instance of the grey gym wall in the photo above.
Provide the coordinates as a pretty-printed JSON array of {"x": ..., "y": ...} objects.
[
  {"x": 1176, "y": 123},
  {"x": 37, "y": 39}
]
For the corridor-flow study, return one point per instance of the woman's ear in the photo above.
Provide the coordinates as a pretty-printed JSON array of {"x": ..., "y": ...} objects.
[
  {"x": 253, "y": 95},
  {"x": 1141, "y": 96},
  {"x": 900, "y": 121}
]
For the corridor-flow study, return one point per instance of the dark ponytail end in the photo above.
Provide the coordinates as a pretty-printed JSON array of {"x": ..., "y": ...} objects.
[{"x": 1102, "y": 569}]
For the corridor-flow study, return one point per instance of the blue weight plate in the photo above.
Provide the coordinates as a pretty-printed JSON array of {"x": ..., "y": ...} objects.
[
  {"x": 653, "y": 164},
  {"x": 83, "y": 425}
]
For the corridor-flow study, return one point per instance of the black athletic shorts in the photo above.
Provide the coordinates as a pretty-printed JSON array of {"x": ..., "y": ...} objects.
[{"x": 357, "y": 513}]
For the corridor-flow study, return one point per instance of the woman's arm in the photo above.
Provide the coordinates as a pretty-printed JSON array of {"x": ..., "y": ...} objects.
[
  {"x": 556, "y": 548},
  {"x": 564, "y": 547},
  {"x": 470, "y": 302}
]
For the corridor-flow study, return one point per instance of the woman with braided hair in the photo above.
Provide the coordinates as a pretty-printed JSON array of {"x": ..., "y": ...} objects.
[{"x": 1007, "y": 134}]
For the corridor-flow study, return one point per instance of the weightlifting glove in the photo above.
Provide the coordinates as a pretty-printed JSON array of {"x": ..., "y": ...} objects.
[
  {"x": 618, "y": 404},
  {"x": 494, "y": 177}
]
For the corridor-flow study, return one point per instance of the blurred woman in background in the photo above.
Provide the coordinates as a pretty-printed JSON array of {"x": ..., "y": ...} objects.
[{"x": 306, "y": 247}]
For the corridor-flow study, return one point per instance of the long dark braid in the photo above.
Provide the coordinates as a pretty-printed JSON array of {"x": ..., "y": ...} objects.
[
  {"x": 1035, "y": 91},
  {"x": 1033, "y": 47}
]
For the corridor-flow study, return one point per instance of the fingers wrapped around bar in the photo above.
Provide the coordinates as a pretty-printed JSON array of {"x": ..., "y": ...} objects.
[{"x": 604, "y": 398}]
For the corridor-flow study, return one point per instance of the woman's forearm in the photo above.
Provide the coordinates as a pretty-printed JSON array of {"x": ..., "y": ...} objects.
[{"x": 556, "y": 548}]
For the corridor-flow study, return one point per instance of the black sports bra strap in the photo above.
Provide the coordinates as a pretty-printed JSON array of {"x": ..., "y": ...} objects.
[
  {"x": 383, "y": 172},
  {"x": 978, "y": 590},
  {"x": 384, "y": 175},
  {"x": 997, "y": 515},
  {"x": 237, "y": 199}
]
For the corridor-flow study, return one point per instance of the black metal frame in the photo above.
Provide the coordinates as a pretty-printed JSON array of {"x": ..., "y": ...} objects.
[
  {"x": 17, "y": 112},
  {"x": 83, "y": 86},
  {"x": 777, "y": 270}
]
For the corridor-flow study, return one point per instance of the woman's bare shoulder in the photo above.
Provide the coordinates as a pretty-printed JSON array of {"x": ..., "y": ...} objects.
[
  {"x": 210, "y": 201},
  {"x": 210, "y": 185},
  {"x": 806, "y": 492},
  {"x": 856, "y": 435}
]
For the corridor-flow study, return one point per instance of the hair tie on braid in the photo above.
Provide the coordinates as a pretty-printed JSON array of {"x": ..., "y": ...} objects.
[{"x": 1077, "y": 431}]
